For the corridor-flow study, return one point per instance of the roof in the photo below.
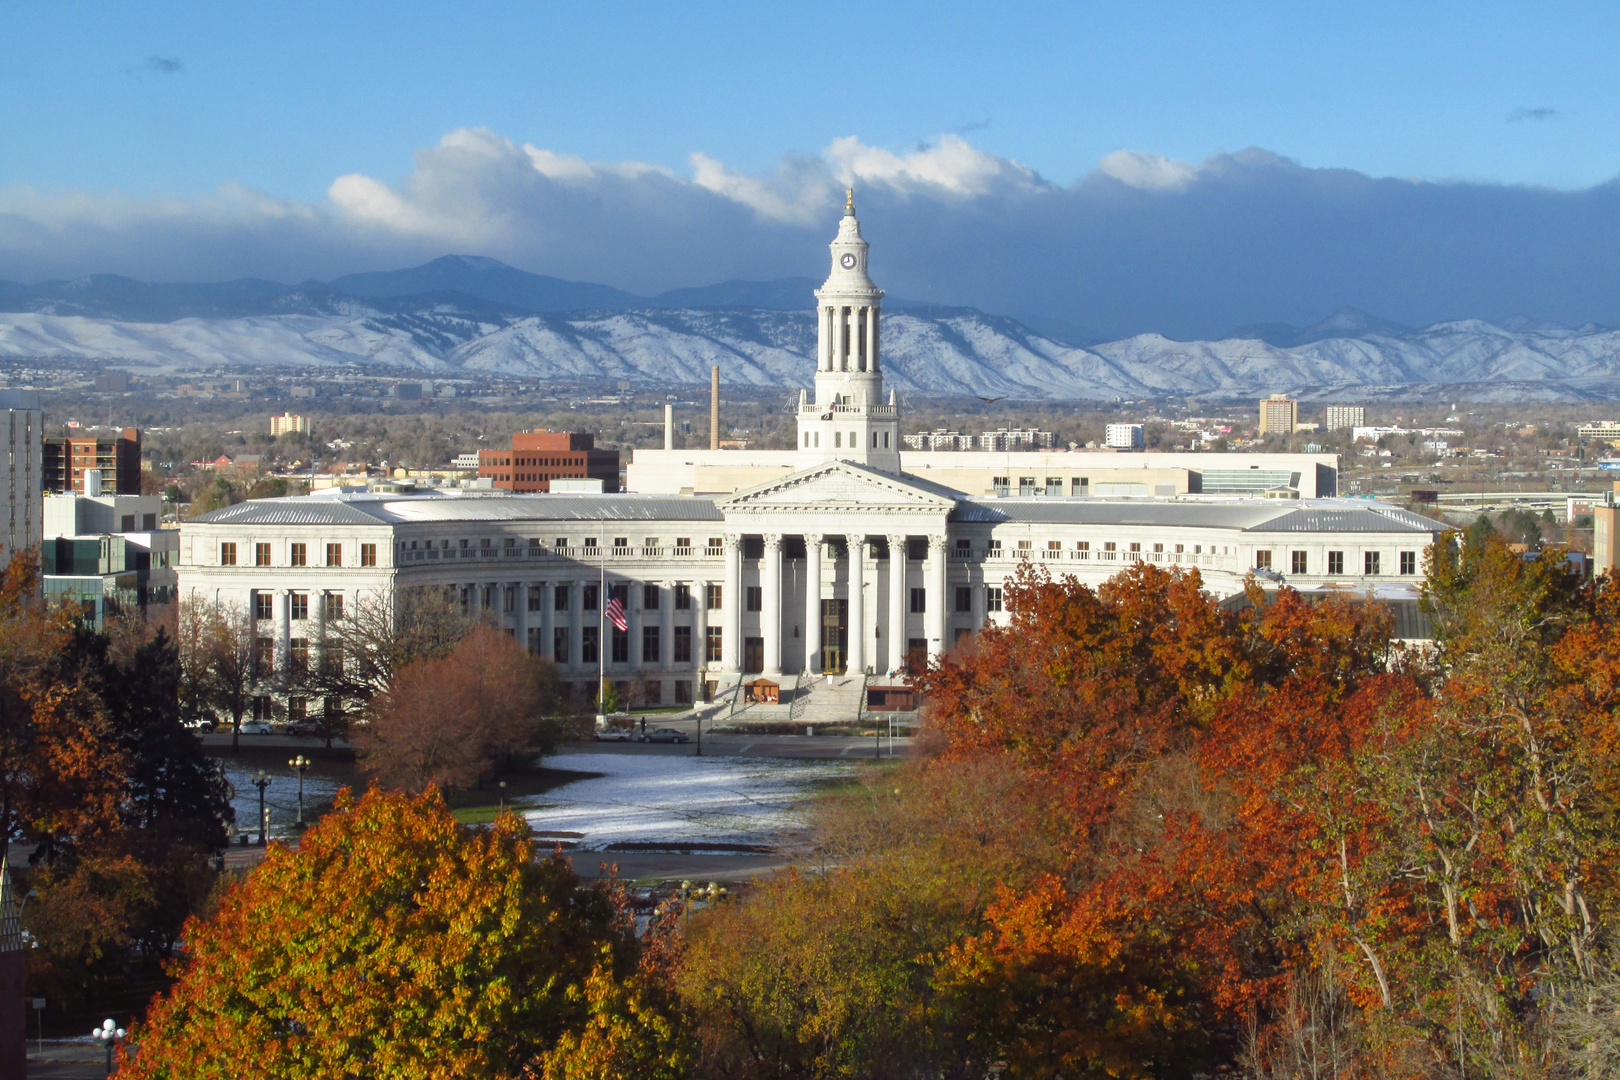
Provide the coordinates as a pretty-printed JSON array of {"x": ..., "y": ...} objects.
[
  {"x": 1242, "y": 515},
  {"x": 337, "y": 507}
]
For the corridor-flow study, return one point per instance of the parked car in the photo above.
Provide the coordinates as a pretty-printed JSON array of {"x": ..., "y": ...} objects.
[
  {"x": 664, "y": 734},
  {"x": 255, "y": 727},
  {"x": 302, "y": 727}
]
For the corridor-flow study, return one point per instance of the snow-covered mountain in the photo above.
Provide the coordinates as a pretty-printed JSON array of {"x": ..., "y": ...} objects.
[{"x": 928, "y": 351}]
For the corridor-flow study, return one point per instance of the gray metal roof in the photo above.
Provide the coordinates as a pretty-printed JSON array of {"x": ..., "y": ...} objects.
[
  {"x": 379, "y": 508},
  {"x": 1242, "y": 515}
]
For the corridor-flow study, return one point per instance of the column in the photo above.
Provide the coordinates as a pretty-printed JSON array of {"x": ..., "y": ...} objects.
[
  {"x": 700, "y": 626},
  {"x": 824, "y": 362},
  {"x": 937, "y": 619},
  {"x": 899, "y": 602},
  {"x": 731, "y": 606},
  {"x": 547, "y": 631},
  {"x": 857, "y": 603},
  {"x": 282, "y": 609},
  {"x": 846, "y": 334},
  {"x": 475, "y": 600},
  {"x": 576, "y": 598},
  {"x": 666, "y": 626},
  {"x": 872, "y": 338},
  {"x": 520, "y": 614},
  {"x": 633, "y": 616},
  {"x": 812, "y": 603},
  {"x": 770, "y": 608}
]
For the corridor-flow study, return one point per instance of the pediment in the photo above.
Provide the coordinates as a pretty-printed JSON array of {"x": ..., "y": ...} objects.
[{"x": 839, "y": 485}]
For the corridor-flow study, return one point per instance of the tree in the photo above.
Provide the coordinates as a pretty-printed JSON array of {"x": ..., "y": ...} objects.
[
  {"x": 220, "y": 660},
  {"x": 394, "y": 943},
  {"x": 450, "y": 720},
  {"x": 378, "y": 637}
]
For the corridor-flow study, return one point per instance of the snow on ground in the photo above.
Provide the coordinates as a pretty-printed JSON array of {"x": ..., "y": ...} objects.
[
  {"x": 645, "y": 797},
  {"x": 280, "y": 797}
]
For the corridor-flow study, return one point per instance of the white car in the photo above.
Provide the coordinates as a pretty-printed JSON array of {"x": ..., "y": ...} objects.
[
  {"x": 615, "y": 734},
  {"x": 255, "y": 727}
]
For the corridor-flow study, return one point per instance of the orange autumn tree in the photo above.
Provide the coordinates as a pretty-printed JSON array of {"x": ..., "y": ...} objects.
[{"x": 397, "y": 943}]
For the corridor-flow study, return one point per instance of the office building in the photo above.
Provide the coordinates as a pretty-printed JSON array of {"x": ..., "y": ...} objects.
[
  {"x": 1125, "y": 437},
  {"x": 1345, "y": 417},
  {"x": 117, "y": 458},
  {"x": 1279, "y": 415},
  {"x": 536, "y": 458}
]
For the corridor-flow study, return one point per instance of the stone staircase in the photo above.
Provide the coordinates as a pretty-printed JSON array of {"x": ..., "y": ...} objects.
[{"x": 813, "y": 700}]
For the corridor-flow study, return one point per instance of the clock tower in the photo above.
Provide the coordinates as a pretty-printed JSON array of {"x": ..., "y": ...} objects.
[{"x": 847, "y": 418}]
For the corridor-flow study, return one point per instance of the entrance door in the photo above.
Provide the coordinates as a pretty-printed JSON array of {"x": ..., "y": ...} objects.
[
  {"x": 753, "y": 655},
  {"x": 834, "y": 635}
]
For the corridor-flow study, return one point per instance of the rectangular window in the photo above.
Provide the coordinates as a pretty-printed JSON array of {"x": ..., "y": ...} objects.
[
  {"x": 300, "y": 606},
  {"x": 1369, "y": 560},
  {"x": 559, "y": 598},
  {"x": 652, "y": 692},
  {"x": 1335, "y": 562},
  {"x": 332, "y": 659},
  {"x": 620, "y": 642},
  {"x": 263, "y": 606},
  {"x": 683, "y": 692},
  {"x": 298, "y": 653},
  {"x": 587, "y": 597},
  {"x": 334, "y": 554},
  {"x": 754, "y": 597},
  {"x": 992, "y": 599},
  {"x": 509, "y": 599},
  {"x": 919, "y": 601},
  {"x": 298, "y": 555},
  {"x": 261, "y": 554},
  {"x": 964, "y": 599},
  {"x": 533, "y": 598},
  {"x": 1079, "y": 485},
  {"x": 683, "y": 645},
  {"x": 264, "y": 654},
  {"x": 1297, "y": 562},
  {"x": 333, "y": 605},
  {"x": 964, "y": 547},
  {"x": 711, "y": 644},
  {"x": 651, "y": 653},
  {"x": 297, "y": 708},
  {"x": 559, "y": 644},
  {"x": 368, "y": 554},
  {"x": 1054, "y": 545},
  {"x": 649, "y": 597},
  {"x": 227, "y": 554},
  {"x": 716, "y": 545},
  {"x": 621, "y": 541},
  {"x": 262, "y": 708},
  {"x": 587, "y": 645},
  {"x": 1408, "y": 562},
  {"x": 712, "y": 597},
  {"x": 683, "y": 597},
  {"x": 621, "y": 593},
  {"x": 1262, "y": 560}
]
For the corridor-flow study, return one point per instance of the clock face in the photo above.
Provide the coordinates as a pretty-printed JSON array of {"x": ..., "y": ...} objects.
[{"x": 848, "y": 260}]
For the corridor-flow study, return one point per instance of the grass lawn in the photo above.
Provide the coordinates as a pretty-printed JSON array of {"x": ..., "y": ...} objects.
[{"x": 478, "y": 806}]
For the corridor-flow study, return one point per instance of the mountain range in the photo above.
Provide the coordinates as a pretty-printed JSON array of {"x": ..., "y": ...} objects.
[{"x": 466, "y": 314}]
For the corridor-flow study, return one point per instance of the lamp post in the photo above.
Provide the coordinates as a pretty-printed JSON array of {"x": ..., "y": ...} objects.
[
  {"x": 503, "y": 796},
  {"x": 108, "y": 1035},
  {"x": 261, "y": 780},
  {"x": 299, "y": 764}
]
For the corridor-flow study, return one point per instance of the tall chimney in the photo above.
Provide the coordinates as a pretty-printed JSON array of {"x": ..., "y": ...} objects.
[
  {"x": 714, "y": 407},
  {"x": 669, "y": 426}
]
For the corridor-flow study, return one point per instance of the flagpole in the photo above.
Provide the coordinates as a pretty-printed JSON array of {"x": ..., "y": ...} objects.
[{"x": 601, "y": 630}]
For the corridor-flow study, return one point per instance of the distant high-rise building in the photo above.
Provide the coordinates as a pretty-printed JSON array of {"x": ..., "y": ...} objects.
[
  {"x": 21, "y": 483},
  {"x": 1342, "y": 417},
  {"x": 280, "y": 425},
  {"x": 65, "y": 460},
  {"x": 1278, "y": 415},
  {"x": 1125, "y": 437},
  {"x": 539, "y": 457}
]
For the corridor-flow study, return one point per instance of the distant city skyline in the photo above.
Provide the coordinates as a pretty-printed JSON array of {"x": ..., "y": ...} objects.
[{"x": 1174, "y": 167}]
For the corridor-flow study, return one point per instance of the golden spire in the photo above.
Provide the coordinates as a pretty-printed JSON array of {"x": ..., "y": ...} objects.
[{"x": 849, "y": 200}]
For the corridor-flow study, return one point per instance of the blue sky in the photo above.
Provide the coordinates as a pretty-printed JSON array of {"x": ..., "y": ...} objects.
[{"x": 225, "y": 130}]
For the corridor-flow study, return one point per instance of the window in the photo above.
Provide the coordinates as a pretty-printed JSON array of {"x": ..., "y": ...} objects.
[
  {"x": 651, "y": 652},
  {"x": 754, "y": 597},
  {"x": 148, "y": 522},
  {"x": 1109, "y": 545},
  {"x": 533, "y": 598},
  {"x": 1262, "y": 560},
  {"x": 1369, "y": 561},
  {"x": 262, "y": 709},
  {"x": 1408, "y": 562},
  {"x": 559, "y": 598},
  {"x": 509, "y": 599},
  {"x": 298, "y": 555},
  {"x": 964, "y": 599},
  {"x": 683, "y": 645},
  {"x": 838, "y": 439},
  {"x": 919, "y": 601},
  {"x": 683, "y": 692},
  {"x": 964, "y": 548},
  {"x": 561, "y": 542},
  {"x": 652, "y": 692},
  {"x": 620, "y": 542},
  {"x": 587, "y": 597},
  {"x": 559, "y": 644},
  {"x": 334, "y": 554},
  {"x": 263, "y": 606},
  {"x": 683, "y": 597},
  {"x": 712, "y": 597},
  {"x": 297, "y": 708},
  {"x": 1080, "y": 485},
  {"x": 992, "y": 599},
  {"x": 332, "y": 607},
  {"x": 1297, "y": 562},
  {"x": 300, "y": 606},
  {"x": 917, "y": 548},
  {"x": 1025, "y": 545},
  {"x": 264, "y": 654},
  {"x": 227, "y": 554},
  {"x": 587, "y": 645},
  {"x": 992, "y": 545},
  {"x": 716, "y": 545},
  {"x": 590, "y": 542},
  {"x": 683, "y": 541},
  {"x": 368, "y": 554},
  {"x": 711, "y": 644},
  {"x": 333, "y": 706},
  {"x": 619, "y": 640},
  {"x": 1335, "y": 562},
  {"x": 298, "y": 653},
  {"x": 621, "y": 593},
  {"x": 649, "y": 597},
  {"x": 261, "y": 554}
]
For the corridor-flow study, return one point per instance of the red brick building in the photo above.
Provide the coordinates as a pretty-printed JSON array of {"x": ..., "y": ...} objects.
[
  {"x": 538, "y": 457},
  {"x": 119, "y": 459}
]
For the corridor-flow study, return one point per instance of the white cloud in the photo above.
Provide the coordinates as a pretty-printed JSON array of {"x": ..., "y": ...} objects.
[
  {"x": 953, "y": 167},
  {"x": 1153, "y": 172}
]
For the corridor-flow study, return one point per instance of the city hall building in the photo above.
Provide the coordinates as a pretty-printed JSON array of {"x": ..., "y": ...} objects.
[{"x": 839, "y": 561}]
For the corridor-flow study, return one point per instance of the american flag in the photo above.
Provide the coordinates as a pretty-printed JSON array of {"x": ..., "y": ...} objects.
[{"x": 615, "y": 614}]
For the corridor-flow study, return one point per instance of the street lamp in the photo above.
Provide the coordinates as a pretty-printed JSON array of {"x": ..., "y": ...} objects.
[
  {"x": 503, "y": 796},
  {"x": 108, "y": 1035},
  {"x": 299, "y": 764},
  {"x": 261, "y": 780}
]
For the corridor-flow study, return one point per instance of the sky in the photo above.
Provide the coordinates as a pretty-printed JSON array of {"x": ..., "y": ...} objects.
[{"x": 1172, "y": 167}]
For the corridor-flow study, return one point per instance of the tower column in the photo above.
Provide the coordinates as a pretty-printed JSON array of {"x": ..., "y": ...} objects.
[
  {"x": 857, "y": 603},
  {"x": 872, "y": 338},
  {"x": 812, "y": 603},
  {"x": 898, "y": 602}
]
